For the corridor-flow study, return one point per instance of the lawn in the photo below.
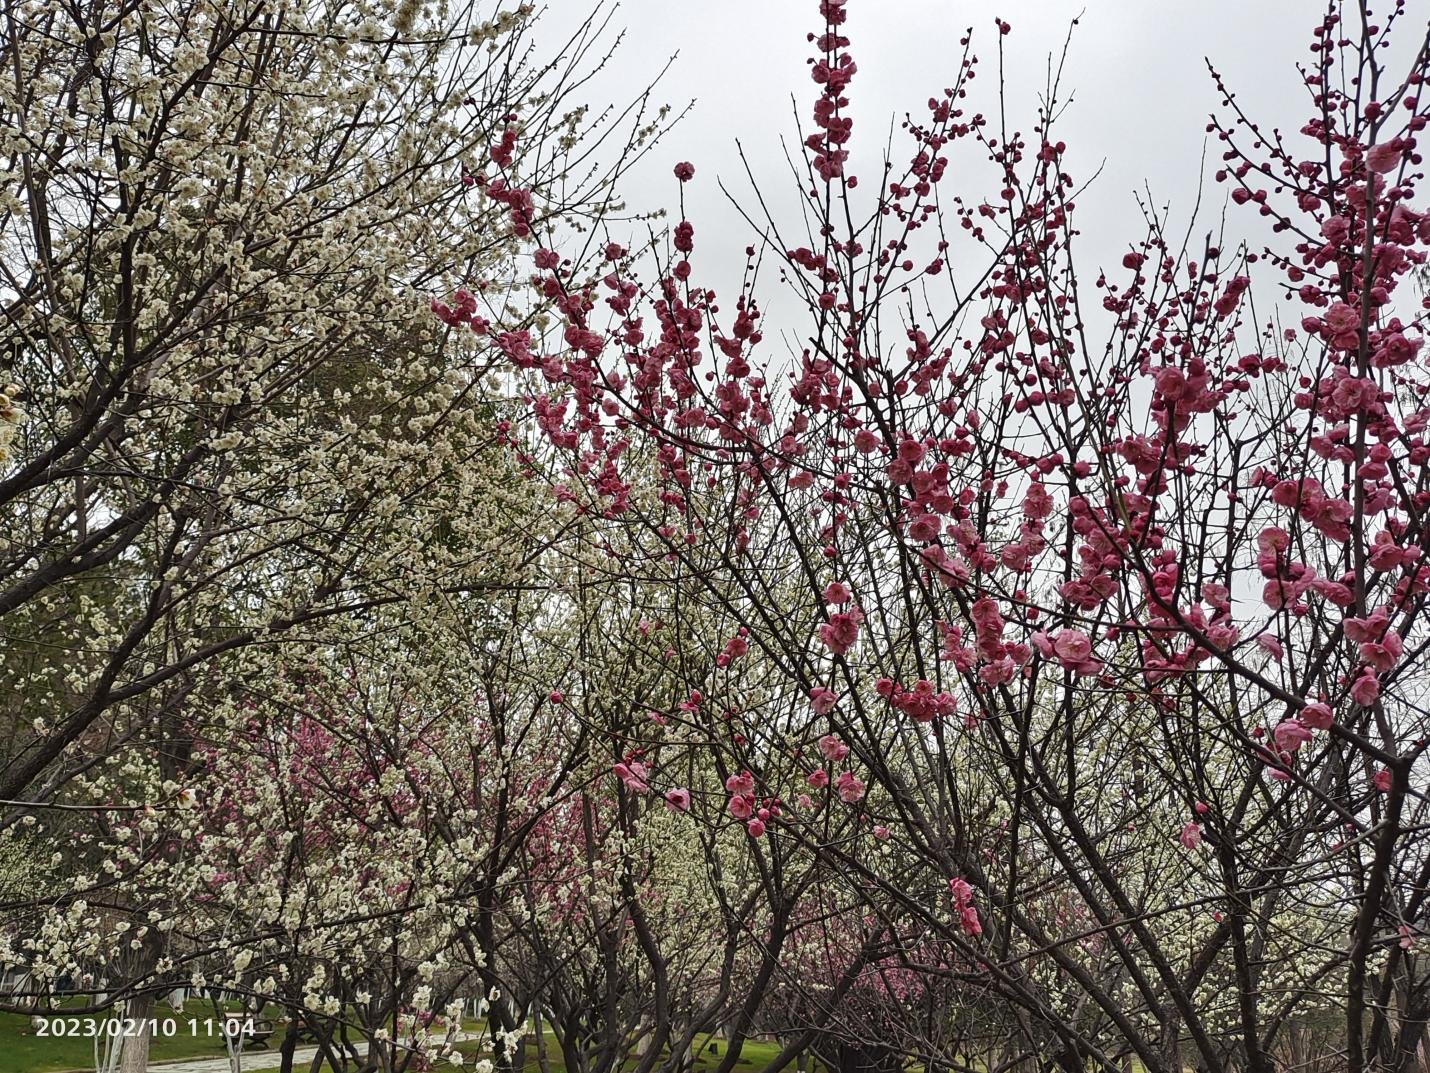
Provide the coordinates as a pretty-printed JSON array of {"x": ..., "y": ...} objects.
[
  {"x": 23, "y": 1051},
  {"x": 754, "y": 1055}
]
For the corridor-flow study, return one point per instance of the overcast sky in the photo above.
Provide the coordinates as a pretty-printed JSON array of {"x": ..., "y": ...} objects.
[{"x": 1136, "y": 68}]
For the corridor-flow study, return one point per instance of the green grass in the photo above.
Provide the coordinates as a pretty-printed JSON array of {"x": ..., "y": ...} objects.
[
  {"x": 754, "y": 1055},
  {"x": 22, "y": 1051}
]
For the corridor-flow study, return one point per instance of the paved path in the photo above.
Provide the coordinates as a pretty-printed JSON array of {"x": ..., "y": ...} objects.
[{"x": 253, "y": 1060}]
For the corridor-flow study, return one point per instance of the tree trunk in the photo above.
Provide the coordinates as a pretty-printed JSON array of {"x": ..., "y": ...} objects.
[
  {"x": 135, "y": 1058},
  {"x": 542, "y": 1060},
  {"x": 504, "y": 1014},
  {"x": 289, "y": 1047}
]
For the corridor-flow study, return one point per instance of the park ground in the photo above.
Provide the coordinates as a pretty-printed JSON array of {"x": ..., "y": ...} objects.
[{"x": 22, "y": 1051}]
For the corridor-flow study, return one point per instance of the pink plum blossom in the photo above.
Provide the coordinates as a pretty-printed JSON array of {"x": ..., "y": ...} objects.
[
  {"x": 1291, "y": 734},
  {"x": 841, "y": 631},
  {"x": 1365, "y": 690},
  {"x": 1072, "y": 647},
  {"x": 832, "y": 748},
  {"x": 1317, "y": 716},
  {"x": 1384, "y": 158},
  {"x": 849, "y": 787},
  {"x": 677, "y": 800},
  {"x": 963, "y": 905},
  {"x": 634, "y": 776},
  {"x": 743, "y": 783}
]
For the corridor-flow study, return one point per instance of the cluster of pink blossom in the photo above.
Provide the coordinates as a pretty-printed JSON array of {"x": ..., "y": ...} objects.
[
  {"x": 842, "y": 630},
  {"x": 1072, "y": 648},
  {"x": 964, "y": 907},
  {"x": 833, "y": 70},
  {"x": 923, "y": 703}
]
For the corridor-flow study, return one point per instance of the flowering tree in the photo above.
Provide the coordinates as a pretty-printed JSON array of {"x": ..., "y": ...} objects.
[
  {"x": 226, "y": 416},
  {"x": 639, "y": 925},
  {"x": 344, "y": 851},
  {"x": 233, "y": 442},
  {"x": 378, "y": 903},
  {"x": 1100, "y": 597}
]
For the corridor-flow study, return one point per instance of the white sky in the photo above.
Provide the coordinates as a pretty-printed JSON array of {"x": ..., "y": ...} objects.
[{"x": 1141, "y": 96}]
